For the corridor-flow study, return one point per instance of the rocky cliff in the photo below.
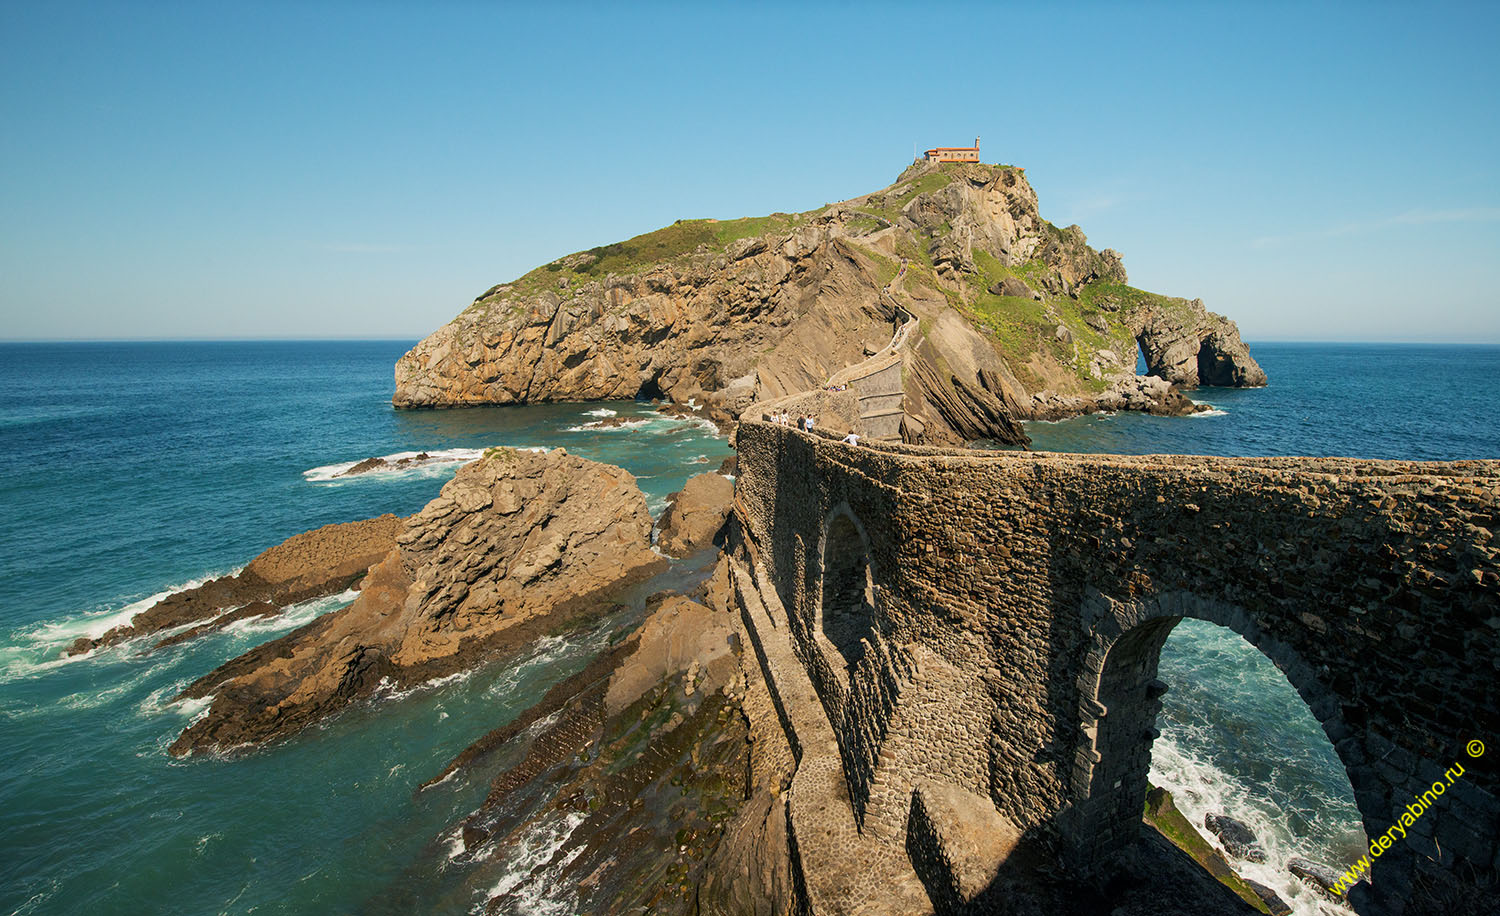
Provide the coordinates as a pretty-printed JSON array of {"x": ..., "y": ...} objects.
[
  {"x": 1015, "y": 317},
  {"x": 515, "y": 543}
]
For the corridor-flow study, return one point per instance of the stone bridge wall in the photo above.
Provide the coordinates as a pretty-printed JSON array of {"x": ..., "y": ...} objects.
[{"x": 1019, "y": 600}]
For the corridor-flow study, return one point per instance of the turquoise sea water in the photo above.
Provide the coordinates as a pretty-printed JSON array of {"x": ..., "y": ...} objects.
[{"x": 134, "y": 469}]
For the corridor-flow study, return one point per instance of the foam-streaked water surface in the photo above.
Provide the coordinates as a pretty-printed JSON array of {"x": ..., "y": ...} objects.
[{"x": 137, "y": 469}]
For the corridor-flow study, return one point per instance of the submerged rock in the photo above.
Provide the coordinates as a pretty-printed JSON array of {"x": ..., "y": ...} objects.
[
  {"x": 313, "y": 564},
  {"x": 1237, "y": 838},
  {"x": 515, "y": 543},
  {"x": 384, "y": 464}
]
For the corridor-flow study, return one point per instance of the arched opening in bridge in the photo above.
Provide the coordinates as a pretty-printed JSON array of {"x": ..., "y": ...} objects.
[
  {"x": 847, "y": 611},
  {"x": 1192, "y": 707}
]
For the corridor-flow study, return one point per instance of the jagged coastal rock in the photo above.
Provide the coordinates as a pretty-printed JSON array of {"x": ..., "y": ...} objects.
[
  {"x": 514, "y": 543},
  {"x": 1238, "y": 839},
  {"x": 1319, "y": 877},
  {"x": 664, "y": 752},
  {"x": 309, "y": 565},
  {"x": 695, "y": 514},
  {"x": 993, "y": 314}
]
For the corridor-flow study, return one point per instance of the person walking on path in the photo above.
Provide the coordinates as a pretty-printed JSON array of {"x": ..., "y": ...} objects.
[{"x": 852, "y": 438}]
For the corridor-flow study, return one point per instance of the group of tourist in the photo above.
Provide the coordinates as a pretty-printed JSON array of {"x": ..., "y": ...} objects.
[{"x": 804, "y": 422}]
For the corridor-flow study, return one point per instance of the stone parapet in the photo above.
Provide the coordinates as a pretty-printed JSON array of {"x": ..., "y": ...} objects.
[{"x": 1015, "y": 604}]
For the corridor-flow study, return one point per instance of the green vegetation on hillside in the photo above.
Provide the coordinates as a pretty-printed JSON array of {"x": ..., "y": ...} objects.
[
  {"x": 1102, "y": 295},
  {"x": 887, "y": 206},
  {"x": 1023, "y": 326},
  {"x": 682, "y": 238}
]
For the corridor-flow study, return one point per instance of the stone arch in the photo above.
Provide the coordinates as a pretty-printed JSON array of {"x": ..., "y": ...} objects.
[
  {"x": 1142, "y": 357},
  {"x": 1120, "y": 697},
  {"x": 846, "y": 597}
]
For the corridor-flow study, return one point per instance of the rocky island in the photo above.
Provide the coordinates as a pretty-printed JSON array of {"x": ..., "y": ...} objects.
[{"x": 1006, "y": 318}]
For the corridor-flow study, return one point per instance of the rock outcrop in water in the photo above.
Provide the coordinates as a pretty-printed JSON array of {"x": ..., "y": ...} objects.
[
  {"x": 1238, "y": 839},
  {"x": 1014, "y": 315},
  {"x": 309, "y": 565},
  {"x": 695, "y": 514},
  {"x": 515, "y": 544},
  {"x": 657, "y": 770}
]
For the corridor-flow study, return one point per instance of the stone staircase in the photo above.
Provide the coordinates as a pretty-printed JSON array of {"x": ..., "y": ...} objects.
[{"x": 878, "y": 381}]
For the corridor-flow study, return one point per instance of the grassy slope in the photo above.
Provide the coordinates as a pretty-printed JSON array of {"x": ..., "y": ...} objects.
[{"x": 670, "y": 243}]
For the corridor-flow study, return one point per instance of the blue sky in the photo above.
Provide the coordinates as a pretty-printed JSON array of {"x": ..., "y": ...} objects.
[{"x": 1314, "y": 171}]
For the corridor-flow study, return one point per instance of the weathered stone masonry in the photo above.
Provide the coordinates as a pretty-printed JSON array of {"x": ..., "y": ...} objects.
[{"x": 1011, "y": 608}]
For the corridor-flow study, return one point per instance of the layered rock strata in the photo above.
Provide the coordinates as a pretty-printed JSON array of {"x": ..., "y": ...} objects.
[
  {"x": 514, "y": 544},
  {"x": 648, "y": 753},
  {"x": 313, "y": 564}
]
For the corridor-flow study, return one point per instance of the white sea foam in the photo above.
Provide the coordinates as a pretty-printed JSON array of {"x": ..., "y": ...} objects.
[
  {"x": 707, "y": 426},
  {"x": 160, "y": 702},
  {"x": 542, "y": 724},
  {"x": 601, "y": 412},
  {"x": 293, "y": 616},
  {"x": 38, "y": 649},
  {"x": 1200, "y": 788},
  {"x": 387, "y": 689},
  {"x": 603, "y": 426},
  {"x": 659, "y": 424},
  {"x": 437, "y": 463},
  {"x": 1216, "y": 412},
  {"x": 544, "y": 652},
  {"x": 532, "y": 869},
  {"x": 455, "y": 838}
]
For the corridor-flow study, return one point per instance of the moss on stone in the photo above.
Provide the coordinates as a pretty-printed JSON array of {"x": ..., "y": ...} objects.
[{"x": 1163, "y": 815}]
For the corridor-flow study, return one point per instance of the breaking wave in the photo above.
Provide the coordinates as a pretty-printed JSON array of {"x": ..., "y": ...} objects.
[
  {"x": 531, "y": 882},
  {"x": 1199, "y": 788},
  {"x": 1236, "y": 739},
  {"x": 437, "y": 463},
  {"x": 37, "y": 649},
  {"x": 656, "y": 425}
]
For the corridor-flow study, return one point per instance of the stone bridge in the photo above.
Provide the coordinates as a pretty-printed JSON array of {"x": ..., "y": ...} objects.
[{"x": 962, "y": 646}]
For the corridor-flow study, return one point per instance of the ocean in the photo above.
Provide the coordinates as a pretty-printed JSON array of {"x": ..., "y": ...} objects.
[{"x": 135, "y": 469}]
